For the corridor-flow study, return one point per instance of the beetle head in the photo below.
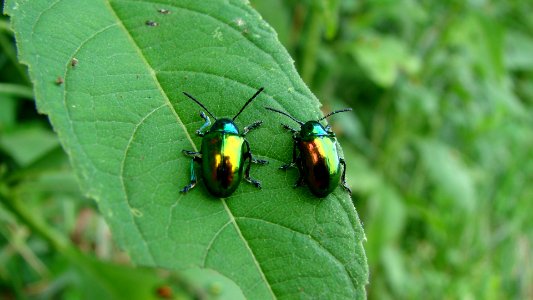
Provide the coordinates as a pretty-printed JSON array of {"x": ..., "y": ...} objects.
[
  {"x": 224, "y": 125},
  {"x": 313, "y": 129}
]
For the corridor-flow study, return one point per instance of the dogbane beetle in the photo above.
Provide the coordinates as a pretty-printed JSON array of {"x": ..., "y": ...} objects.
[
  {"x": 223, "y": 153},
  {"x": 317, "y": 159}
]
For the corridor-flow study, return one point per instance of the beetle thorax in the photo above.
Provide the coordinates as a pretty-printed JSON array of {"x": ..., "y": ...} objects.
[
  {"x": 224, "y": 125},
  {"x": 313, "y": 129}
]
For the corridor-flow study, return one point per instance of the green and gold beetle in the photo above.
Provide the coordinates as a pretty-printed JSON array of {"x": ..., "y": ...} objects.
[
  {"x": 317, "y": 158},
  {"x": 223, "y": 154}
]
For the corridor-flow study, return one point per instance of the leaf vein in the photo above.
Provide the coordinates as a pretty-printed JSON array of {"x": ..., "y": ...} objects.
[
  {"x": 226, "y": 78},
  {"x": 233, "y": 29},
  {"x": 335, "y": 258},
  {"x": 210, "y": 244},
  {"x": 123, "y": 186},
  {"x": 232, "y": 219},
  {"x": 167, "y": 102}
]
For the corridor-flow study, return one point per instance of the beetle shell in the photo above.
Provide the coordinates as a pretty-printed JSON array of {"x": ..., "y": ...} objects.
[
  {"x": 320, "y": 164},
  {"x": 318, "y": 160},
  {"x": 222, "y": 162},
  {"x": 223, "y": 154}
]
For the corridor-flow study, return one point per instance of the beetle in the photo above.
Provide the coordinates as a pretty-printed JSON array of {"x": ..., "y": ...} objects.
[
  {"x": 317, "y": 158},
  {"x": 223, "y": 154}
]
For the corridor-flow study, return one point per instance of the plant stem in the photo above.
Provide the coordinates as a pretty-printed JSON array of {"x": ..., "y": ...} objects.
[
  {"x": 312, "y": 41},
  {"x": 18, "y": 90},
  {"x": 59, "y": 243}
]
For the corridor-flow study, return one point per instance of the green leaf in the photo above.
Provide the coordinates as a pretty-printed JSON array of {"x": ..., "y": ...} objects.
[
  {"x": 104, "y": 280},
  {"x": 121, "y": 116},
  {"x": 25, "y": 145},
  {"x": 99, "y": 280},
  {"x": 212, "y": 284},
  {"x": 277, "y": 14},
  {"x": 16, "y": 90}
]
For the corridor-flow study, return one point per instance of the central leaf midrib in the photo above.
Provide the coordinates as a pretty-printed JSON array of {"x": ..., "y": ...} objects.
[
  {"x": 233, "y": 29},
  {"x": 232, "y": 218},
  {"x": 167, "y": 101}
]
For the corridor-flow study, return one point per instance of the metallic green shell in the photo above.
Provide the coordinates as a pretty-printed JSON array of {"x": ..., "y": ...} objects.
[
  {"x": 320, "y": 163},
  {"x": 222, "y": 162}
]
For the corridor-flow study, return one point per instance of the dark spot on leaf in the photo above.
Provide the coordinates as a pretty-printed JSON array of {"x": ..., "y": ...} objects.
[
  {"x": 164, "y": 11},
  {"x": 164, "y": 292},
  {"x": 59, "y": 80},
  {"x": 74, "y": 62},
  {"x": 152, "y": 23}
]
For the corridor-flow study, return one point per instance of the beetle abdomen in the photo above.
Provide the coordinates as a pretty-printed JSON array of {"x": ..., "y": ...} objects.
[
  {"x": 320, "y": 164},
  {"x": 222, "y": 162}
]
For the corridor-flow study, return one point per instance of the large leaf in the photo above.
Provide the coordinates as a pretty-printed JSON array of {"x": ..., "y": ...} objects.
[{"x": 121, "y": 117}]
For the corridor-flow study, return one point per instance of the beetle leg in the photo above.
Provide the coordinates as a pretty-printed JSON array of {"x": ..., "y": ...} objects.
[
  {"x": 292, "y": 164},
  {"x": 250, "y": 127},
  {"x": 289, "y": 128},
  {"x": 254, "y": 160},
  {"x": 192, "y": 154},
  {"x": 193, "y": 179},
  {"x": 343, "y": 177},
  {"x": 200, "y": 131},
  {"x": 196, "y": 157},
  {"x": 289, "y": 165},
  {"x": 259, "y": 161},
  {"x": 299, "y": 182},
  {"x": 248, "y": 155}
]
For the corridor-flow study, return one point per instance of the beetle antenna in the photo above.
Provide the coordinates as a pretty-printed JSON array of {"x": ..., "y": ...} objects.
[
  {"x": 248, "y": 102},
  {"x": 335, "y": 112},
  {"x": 286, "y": 114},
  {"x": 198, "y": 102}
]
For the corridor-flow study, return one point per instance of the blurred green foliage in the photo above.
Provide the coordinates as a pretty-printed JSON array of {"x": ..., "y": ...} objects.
[{"x": 439, "y": 150}]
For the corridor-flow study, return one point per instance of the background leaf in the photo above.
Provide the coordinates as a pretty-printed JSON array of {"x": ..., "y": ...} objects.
[{"x": 120, "y": 115}]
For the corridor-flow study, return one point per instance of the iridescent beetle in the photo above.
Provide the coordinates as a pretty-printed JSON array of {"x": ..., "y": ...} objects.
[
  {"x": 223, "y": 153},
  {"x": 317, "y": 158}
]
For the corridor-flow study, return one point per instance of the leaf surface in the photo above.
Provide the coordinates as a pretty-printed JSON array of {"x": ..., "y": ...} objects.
[{"x": 121, "y": 116}]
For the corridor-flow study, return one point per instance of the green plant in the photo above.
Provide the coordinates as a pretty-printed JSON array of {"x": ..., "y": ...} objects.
[
  {"x": 120, "y": 115},
  {"x": 438, "y": 149}
]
